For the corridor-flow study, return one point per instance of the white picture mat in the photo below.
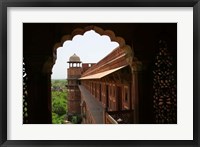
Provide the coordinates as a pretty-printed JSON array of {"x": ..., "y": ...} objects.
[{"x": 183, "y": 130}]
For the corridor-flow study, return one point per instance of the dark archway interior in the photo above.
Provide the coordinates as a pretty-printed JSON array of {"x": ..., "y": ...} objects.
[{"x": 38, "y": 53}]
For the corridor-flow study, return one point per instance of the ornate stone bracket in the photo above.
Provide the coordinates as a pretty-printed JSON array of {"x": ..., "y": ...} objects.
[
  {"x": 134, "y": 63},
  {"x": 38, "y": 64}
]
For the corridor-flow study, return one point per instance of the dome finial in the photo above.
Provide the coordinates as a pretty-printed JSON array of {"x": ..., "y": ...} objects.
[{"x": 74, "y": 58}]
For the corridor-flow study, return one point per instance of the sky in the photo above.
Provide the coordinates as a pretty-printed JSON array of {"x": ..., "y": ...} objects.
[{"x": 90, "y": 47}]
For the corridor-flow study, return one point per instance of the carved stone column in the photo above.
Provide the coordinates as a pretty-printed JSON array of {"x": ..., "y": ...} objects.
[
  {"x": 38, "y": 70},
  {"x": 136, "y": 88},
  {"x": 136, "y": 70}
]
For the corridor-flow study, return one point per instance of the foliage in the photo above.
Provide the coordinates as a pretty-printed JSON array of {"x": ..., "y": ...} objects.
[
  {"x": 59, "y": 101},
  {"x": 56, "y": 119},
  {"x": 60, "y": 83},
  {"x": 76, "y": 119}
]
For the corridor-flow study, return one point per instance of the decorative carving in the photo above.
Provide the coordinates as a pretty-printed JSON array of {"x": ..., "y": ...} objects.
[
  {"x": 25, "y": 96},
  {"x": 110, "y": 33},
  {"x": 164, "y": 87},
  {"x": 134, "y": 63},
  {"x": 81, "y": 31},
  {"x": 48, "y": 65}
]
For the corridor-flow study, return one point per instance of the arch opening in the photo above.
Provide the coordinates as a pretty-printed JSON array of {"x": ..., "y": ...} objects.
[
  {"x": 39, "y": 65},
  {"x": 90, "y": 47}
]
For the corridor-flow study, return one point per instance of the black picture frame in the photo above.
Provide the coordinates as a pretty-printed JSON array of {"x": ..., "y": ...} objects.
[{"x": 4, "y": 4}]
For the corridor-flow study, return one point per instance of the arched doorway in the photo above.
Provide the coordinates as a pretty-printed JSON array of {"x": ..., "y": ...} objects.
[{"x": 39, "y": 57}]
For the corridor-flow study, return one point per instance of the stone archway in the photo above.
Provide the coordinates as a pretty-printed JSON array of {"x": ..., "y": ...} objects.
[
  {"x": 81, "y": 31},
  {"x": 40, "y": 55},
  {"x": 134, "y": 63}
]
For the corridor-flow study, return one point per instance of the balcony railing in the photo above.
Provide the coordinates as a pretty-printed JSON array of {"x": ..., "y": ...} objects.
[{"x": 119, "y": 117}]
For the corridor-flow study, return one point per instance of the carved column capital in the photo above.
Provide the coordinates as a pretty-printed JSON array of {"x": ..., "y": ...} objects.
[
  {"x": 134, "y": 63},
  {"x": 39, "y": 64}
]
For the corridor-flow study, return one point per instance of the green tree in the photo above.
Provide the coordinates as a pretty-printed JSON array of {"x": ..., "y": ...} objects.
[{"x": 59, "y": 101}]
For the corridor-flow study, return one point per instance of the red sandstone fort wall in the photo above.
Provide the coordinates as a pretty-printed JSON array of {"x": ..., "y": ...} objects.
[{"x": 113, "y": 60}]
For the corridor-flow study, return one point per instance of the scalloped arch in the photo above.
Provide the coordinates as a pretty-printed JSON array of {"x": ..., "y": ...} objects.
[
  {"x": 81, "y": 31},
  {"x": 133, "y": 62}
]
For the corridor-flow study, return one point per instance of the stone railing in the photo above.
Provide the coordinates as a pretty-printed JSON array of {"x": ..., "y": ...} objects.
[{"x": 119, "y": 117}]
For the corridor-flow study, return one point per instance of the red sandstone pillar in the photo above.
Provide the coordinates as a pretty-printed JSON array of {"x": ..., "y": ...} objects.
[
  {"x": 136, "y": 89},
  {"x": 39, "y": 89},
  {"x": 135, "y": 100}
]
